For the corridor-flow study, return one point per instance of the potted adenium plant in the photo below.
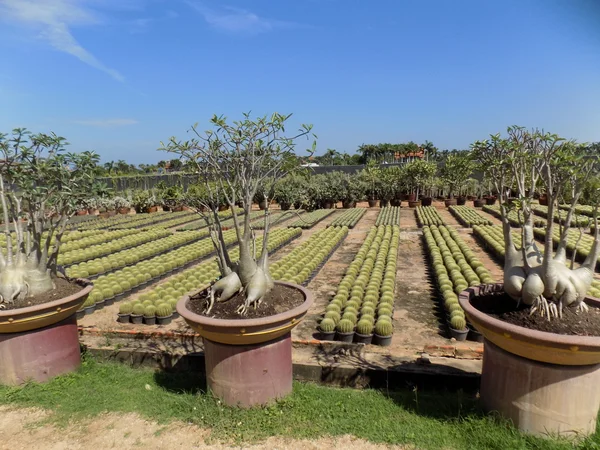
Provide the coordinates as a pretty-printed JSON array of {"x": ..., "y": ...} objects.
[
  {"x": 352, "y": 190},
  {"x": 122, "y": 205},
  {"x": 455, "y": 171},
  {"x": 417, "y": 173},
  {"x": 371, "y": 175},
  {"x": 247, "y": 347},
  {"x": 541, "y": 363},
  {"x": 45, "y": 185}
]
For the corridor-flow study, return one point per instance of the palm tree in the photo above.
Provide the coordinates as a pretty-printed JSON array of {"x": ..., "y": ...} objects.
[{"x": 329, "y": 156}]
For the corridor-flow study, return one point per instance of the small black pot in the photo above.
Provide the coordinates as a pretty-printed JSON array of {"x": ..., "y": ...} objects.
[
  {"x": 474, "y": 335},
  {"x": 89, "y": 309},
  {"x": 136, "y": 318},
  {"x": 109, "y": 301},
  {"x": 150, "y": 320},
  {"x": 327, "y": 335},
  {"x": 285, "y": 206},
  {"x": 363, "y": 338},
  {"x": 123, "y": 318},
  {"x": 99, "y": 305},
  {"x": 344, "y": 337},
  {"x": 426, "y": 201},
  {"x": 461, "y": 201},
  {"x": 383, "y": 341},
  {"x": 119, "y": 297},
  {"x": 395, "y": 202},
  {"x": 372, "y": 203},
  {"x": 164, "y": 320},
  {"x": 175, "y": 315},
  {"x": 79, "y": 314},
  {"x": 478, "y": 202},
  {"x": 459, "y": 335}
]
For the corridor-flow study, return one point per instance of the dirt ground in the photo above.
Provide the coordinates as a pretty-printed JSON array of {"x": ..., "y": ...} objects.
[{"x": 20, "y": 429}]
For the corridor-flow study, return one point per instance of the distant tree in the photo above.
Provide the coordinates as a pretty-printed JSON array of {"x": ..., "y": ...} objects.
[{"x": 175, "y": 165}]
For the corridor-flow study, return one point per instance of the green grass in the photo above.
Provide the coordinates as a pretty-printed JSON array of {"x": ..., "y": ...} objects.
[{"x": 427, "y": 420}]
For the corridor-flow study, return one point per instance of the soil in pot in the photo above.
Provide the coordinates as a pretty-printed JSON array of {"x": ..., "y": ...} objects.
[
  {"x": 502, "y": 307},
  {"x": 63, "y": 289},
  {"x": 280, "y": 299}
]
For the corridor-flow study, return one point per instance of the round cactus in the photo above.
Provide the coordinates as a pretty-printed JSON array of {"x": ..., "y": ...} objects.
[
  {"x": 125, "y": 308},
  {"x": 383, "y": 328},
  {"x": 333, "y": 315},
  {"x": 327, "y": 325},
  {"x": 150, "y": 311},
  {"x": 163, "y": 310},
  {"x": 138, "y": 309},
  {"x": 364, "y": 327},
  {"x": 458, "y": 323},
  {"x": 345, "y": 326}
]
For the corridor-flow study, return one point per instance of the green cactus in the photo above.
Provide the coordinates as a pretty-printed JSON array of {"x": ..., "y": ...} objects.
[
  {"x": 89, "y": 301},
  {"x": 345, "y": 326},
  {"x": 383, "y": 328},
  {"x": 364, "y": 327},
  {"x": 349, "y": 316},
  {"x": 333, "y": 307},
  {"x": 150, "y": 311},
  {"x": 458, "y": 323},
  {"x": 327, "y": 325},
  {"x": 138, "y": 309},
  {"x": 368, "y": 317},
  {"x": 163, "y": 310},
  {"x": 125, "y": 308},
  {"x": 457, "y": 313},
  {"x": 365, "y": 310},
  {"x": 333, "y": 315},
  {"x": 455, "y": 307}
]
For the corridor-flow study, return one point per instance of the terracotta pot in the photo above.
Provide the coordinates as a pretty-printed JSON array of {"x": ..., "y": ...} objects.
[
  {"x": 546, "y": 383},
  {"x": 263, "y": 205},
  {"x": 411, "y": 197},
  {"x": 348, "y": 204},
  {"x": 414, "y": 204},
  {"x": 124, "y": 210},
  {"x": 152, "y": 209},
  {"x": 111, "y": 213},
  {"x": 93, "y": 211},
  {"x": 177, "y": 208},
  {"x": 478, "y": 203},
  {"x": 461, "y": 201},
  {"x": 543, "y": 200},
  {"x": 372, "y": 203},
  {"x": 225, "y": 207},
  {"x": 82, "y": 212},
  {"x": 395, "y": 202},
  {"x": 490, "y": 201},
  {"x": 426, "y": 201},
  {"x": 450, "y": 202},
  {"x": 248, "y": 361},
  {"x": 40, "y": 342}
]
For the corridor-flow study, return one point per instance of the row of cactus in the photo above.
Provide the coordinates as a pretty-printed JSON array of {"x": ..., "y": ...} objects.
[
  {"x": 428, "y": 215},
  {"x": 348, "y": 218},
  {"x": 389, "y": 215},
  {"x": 367, "y": 289},
  {"x": 130, "y": 219},
  {"x": 136, "y": 254},
  {"x": 513, "y": 217},
  {"x": 304, "y": 260},
  {"x": 456, "y": 268},
  {"x": 224, "y": 216},
  {"x": 310, "y": 219},
  {"x": 168, "y": 220},
  {"x": 560, "y": 216},
  {"x": 469, "y": 216},
  {"x": 115, "y": 241}
]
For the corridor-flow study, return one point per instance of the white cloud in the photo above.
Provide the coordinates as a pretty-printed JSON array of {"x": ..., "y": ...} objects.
[
  {"x": 235, "y": 20},
  {"x": 53, "y": 19},
  {"x": 106, "y": 122}
]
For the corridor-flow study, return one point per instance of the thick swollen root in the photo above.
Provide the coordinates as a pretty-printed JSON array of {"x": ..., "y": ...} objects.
[
  {"x": 255, "y": 291},
  {"x": 12, "y": 284},
  {"x": 38, "y": 282},
  {"x": 225, "y": 288}
]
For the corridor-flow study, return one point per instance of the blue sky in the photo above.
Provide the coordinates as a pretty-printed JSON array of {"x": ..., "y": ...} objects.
[{"x": 119, "y": 76}]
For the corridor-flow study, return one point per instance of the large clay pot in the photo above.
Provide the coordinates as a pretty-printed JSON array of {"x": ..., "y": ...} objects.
[
  {"x": 82, "y": 212},
  {"x": 40, "y": 342},
  {"x": 248, "y": 361},
  {"x": 372, "y": 203},
  {"x": 426, "y": 201},
  {"x": 348, "y": 204},
  {"x": 414, "y": 203},
  {"x": 285, "y": 206},
  {"x": 225, "y": 207},
  {"x": 297, "y": 205},
  {"x": 461, "y": 201},
  {"x": 450, "y": 202},
  {"x": 478, "y": 203},
  {"x": 543, "y": 200},
  {"x": 384, "y": 203},
  {"x": 490, "y": 201},
  {"x": 124, "y": 210},
  {"x": 327, "y": 205},
  {"x": 395, "y": 202},
  {"x": 411, "y": 197},
  {"x": 152, "y": 209},
  {"x": 177, "y": 208},
  {"x": 545, "y": 383}
]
